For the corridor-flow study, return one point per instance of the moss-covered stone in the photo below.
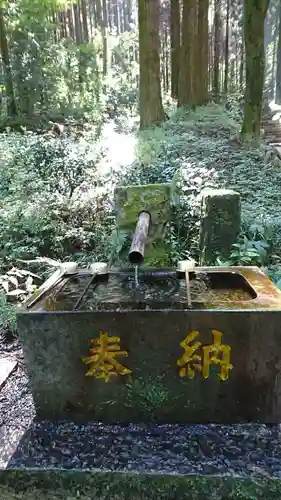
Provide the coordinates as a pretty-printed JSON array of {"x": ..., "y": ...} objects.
[
  {"x": 131, "y": 200},
  {"x": 154, "y": 198},
  {"x": 220, "y": 223},
  {"x": 106, "y": 486}
]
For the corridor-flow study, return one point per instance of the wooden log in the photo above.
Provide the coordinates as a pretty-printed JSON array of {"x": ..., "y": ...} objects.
[{"x": 136, "y": 253}]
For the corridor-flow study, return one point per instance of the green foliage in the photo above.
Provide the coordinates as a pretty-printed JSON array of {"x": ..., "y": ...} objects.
[
  {"x": 235, "y": 105},
  {"x": 121, "y": 96},
  {"x": 122, "y": 85},
  {"x": 118, "y": 240},
  {"x": 50, "y": 73},
  {"x": 47, "y": 206},
  {"x": 274, "y": 273},
  {"x": 8, "y": 320},
  {"x": 61, "y": 166},
  {"x": 147, "y": 396},
  {"x": 254, "y": 247}
]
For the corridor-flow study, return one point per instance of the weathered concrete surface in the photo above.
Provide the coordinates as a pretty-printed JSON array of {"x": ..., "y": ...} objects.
[
  {"x": 220, "y": 223},
  {"x": 54, "y": 344}
]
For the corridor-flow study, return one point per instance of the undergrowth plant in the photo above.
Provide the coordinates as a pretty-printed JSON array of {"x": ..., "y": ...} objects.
[
  {"x": 8, "y": 318},
  {"x": 147, "y": 396},
  {"x": 254, "y": 247}
]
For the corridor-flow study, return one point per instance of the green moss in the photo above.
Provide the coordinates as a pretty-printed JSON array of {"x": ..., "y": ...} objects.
[
  {"x": 147, "y": 396},
  {"x": 220, "y": 223},
  {"x": 157, "y": 256},
  {"x": 119, "y": 486},
  {"x": 155, "y": 198},
  {"x": 131, "y": 200}
]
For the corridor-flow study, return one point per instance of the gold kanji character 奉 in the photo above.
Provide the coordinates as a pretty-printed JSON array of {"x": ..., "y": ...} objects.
[
  {"x": 214, "y": 354},
  {"x": 103, "y": 362}
]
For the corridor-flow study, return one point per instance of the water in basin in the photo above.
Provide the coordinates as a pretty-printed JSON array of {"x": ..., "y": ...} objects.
[{"x": 158, "y": 289}]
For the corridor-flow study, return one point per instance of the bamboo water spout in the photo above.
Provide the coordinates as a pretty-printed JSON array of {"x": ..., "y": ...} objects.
[{"x": 136, "y": 253}]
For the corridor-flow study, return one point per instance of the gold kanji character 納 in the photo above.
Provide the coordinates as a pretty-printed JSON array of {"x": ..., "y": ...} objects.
[
  {"x": 217, "y": 354},
  {"x": 214, "y": 354},
  {"x": 103, "y": 362},
  {"x": 189, "y": 362}
]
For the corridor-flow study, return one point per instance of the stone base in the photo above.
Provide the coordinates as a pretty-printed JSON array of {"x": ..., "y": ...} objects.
[
  {"x": 106, "y": 486},
  {"x": 144, "y": 461},
  {"x": 178, "y": 450}
]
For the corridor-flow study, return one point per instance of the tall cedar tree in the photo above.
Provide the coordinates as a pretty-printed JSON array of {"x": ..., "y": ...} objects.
[
  {"x": 11, "y": 105},
  {"x": 254, "y": 16},
  {"x": 187, "y": 73},
  {"x": 175, "y": 45},
  {"x": 226, "y": 52},
  {"x": 217, "y": 50},
  {"x": 150, "y": 101},
  {"x": 203, "y": 52},
  {"x": 278, "y": 70}
]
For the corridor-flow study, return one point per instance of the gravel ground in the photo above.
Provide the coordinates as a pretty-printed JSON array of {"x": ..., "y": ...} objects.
[{"x": 242, "y": 450}]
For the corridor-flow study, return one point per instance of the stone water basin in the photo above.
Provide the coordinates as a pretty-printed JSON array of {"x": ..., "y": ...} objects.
[
  {"x": 155, "y": 358},
  {"x": 156, "y": 289}
]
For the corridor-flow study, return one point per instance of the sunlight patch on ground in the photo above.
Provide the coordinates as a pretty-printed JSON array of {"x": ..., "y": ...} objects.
[
  {"x": 274, "y": 106},
  {"x": 119, "y": 154},
  {"x": 120, "y": 149}
]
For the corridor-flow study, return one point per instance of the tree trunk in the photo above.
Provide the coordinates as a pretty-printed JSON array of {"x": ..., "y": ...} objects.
[
  {"x": 121, "y": 16},
  {"x": 85, "y": 21},
  {"x": 217, "y": 23},
  {"x": 254, "y": 16},
  {"x": 278, "y": 70},
  {"x": 70, "y": 24},
  {"x": 116, "y": 18},
  {"x": 226, "y": 54},
  {"x": 125, "y": 16},
  {"x": 150, "y": 101},
  {"x": 77, "y": 23},
  {"x": 242, "y": 65},
  {"x": 203, "y": 52},
  {"x": 79, "y": 41},
  {"x": 101, "y": 14},
  {"x": 104, "y": 38},
  {"x": 62, "y": 25},
  {"x": 271, "y": 93},
  {"x": 167, "y": 65},
  {"x": 11, "y": 103},
  {"x": 187, "y": 72},
  {"x": 175, "y": 46}
]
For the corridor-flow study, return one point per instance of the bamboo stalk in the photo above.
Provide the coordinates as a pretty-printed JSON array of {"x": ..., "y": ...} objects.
[{"x": 136, "y": 253}]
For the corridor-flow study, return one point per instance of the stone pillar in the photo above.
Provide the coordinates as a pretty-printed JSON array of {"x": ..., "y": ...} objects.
[
  {"x": 220, "y": 224},
  {"x": 155, "y": 199}
]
